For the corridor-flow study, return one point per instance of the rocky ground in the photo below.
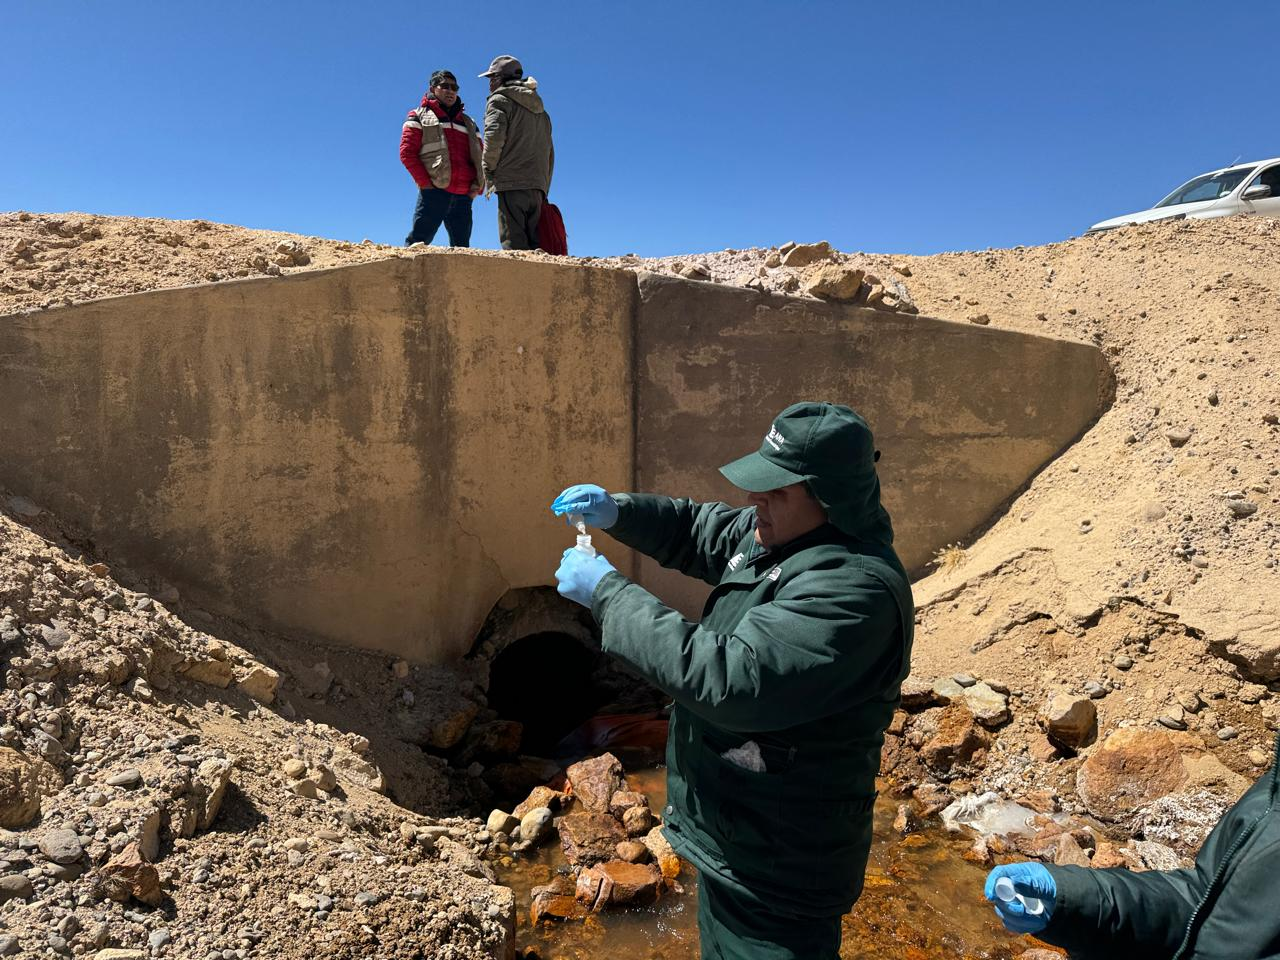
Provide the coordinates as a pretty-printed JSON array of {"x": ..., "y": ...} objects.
[{"x": 1106, "y": 655}]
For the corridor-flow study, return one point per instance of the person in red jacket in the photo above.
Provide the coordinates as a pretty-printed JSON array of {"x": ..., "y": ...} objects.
[{"x": 440, "y": 147}]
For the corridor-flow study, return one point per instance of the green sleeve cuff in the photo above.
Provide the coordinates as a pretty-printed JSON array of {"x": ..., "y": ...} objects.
[{"x": 608, "y": 587}]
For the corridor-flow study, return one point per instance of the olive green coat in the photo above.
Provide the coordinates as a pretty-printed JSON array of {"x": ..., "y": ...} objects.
[{"x": 802, "y": 650}]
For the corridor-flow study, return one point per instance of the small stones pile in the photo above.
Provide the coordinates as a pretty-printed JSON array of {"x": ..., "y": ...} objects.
[{"x": 610, "y": 838}]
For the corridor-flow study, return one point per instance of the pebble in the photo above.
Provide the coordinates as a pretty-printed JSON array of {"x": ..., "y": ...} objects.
[
  {"x": 1173, "y": 723},
  {"x": 1242, "y": 508},
  {"x": 1259, "y": 758},
  {"x": 1228, "y": 733},
  {"x": 1122, "y": 662},
  {"x": 324, "y": 903},
  {"x": 366, "y": 898},
  {"x": 129, "y": 779},
  {"x": 964, "y": 679},
  {"x": 1095, "y": 690},
  {"x": 61, "y": 846},
  {"x": 9, "y": 946},
  {"x": 294, "y": 768},
  {"x": 159, "y": 938}
]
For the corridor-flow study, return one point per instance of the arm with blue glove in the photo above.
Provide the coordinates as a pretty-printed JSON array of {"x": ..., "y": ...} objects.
[
  {"x": 1110, "y": 914},
  {"x": 697, "y": 539}
]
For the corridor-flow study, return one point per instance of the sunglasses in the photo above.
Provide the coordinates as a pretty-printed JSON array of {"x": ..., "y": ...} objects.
[{"x": 448, "y": 86}]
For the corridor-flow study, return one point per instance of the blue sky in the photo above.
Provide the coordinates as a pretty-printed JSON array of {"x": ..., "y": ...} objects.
[{"x": 907, "y": 127}]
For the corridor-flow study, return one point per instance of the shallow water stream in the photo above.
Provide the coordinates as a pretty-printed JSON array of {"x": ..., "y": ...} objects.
[{"x": 921, "y": 900}]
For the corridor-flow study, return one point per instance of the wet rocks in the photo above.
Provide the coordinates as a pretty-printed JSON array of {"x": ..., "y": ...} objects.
[
  {"x": 588, "y": 838},
  {"x": 535, "y": 825},
  {"x": 595, "y": 781},
  {"x": 1070, "y": 721},
  {"x": 502, "y": 822},
  {"x": 632, "y": 851},
  {"x": 556, "y": 901},
  {"x": 540, "y": 797},
  {"x": 1128, "y": 770},
  {"x": 663, "y": 854},
  {"x": 618, "y": 883},
  {"x": 19, "y": 790}
]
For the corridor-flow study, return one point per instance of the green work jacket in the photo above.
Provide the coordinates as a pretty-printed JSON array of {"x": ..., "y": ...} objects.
[
  {"x": 1226, "y": 907},
  {"x": 801, "y": 649}
]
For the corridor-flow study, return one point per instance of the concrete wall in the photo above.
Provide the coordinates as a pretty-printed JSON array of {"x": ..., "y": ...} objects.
[
  {"x": 963, "y": 415},
  {"x": 365, "y": 454}
]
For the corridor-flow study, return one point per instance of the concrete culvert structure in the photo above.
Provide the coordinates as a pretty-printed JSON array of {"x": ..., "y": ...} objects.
[{"x": 364, "y": 455}]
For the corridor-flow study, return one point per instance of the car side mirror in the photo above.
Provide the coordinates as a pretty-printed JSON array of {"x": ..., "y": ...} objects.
[{"x": 1257, "y": 192}]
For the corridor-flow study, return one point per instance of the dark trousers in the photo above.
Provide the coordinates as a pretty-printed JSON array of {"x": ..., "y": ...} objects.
[
  {"x": 733, "y": 925},
  {"x": 518, "y": 215},
  {"x": 440, "y": 206}
]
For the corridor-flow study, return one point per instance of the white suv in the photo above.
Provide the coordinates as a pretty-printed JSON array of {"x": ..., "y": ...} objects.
[{"x": 1242, "y": 188}]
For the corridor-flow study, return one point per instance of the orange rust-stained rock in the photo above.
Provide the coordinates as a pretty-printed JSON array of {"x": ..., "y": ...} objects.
[
  {"x": 127, "y": 875},
  {"x": 588, "y": 838},
  {"x": 618, "y": 884},
  {"x": 1130, "y": 768},
  {"x": 664, "y": 856},
  {"x": 624, "y": 800},
  {"x": 540, "y": 797},
  {"x": 595, "y": 781},
  {"x": 555, "y": 901},
  {"x": 957, "y": 739}
]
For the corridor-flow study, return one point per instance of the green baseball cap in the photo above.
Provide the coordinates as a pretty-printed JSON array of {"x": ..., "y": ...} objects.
[{"x": 830, "y": 448}]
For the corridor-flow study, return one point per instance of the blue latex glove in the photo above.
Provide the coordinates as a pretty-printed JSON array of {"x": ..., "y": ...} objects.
[
  {"x": 1030, "y": 880},
  {"x": 593, "y": 503},
  {"x": 579, "y": 573}
]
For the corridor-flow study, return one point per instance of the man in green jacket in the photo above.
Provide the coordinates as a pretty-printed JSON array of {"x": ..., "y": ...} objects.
[
  {"x": 518, "y": 157},
  {"x": 783, "y": 690},
  {"x": 1226, "y": 906}
]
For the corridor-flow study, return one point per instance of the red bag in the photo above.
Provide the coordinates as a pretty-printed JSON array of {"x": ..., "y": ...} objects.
[{"x": 551, "y": 235}]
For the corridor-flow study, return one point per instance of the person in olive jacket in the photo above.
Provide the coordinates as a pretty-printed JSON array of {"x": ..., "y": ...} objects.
[
  {"x": 1226, "y": 906},
  {"x": 785, "y": 687}
]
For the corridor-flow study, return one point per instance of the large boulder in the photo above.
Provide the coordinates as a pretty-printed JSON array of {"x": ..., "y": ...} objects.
[
  {"x": 1128, "y": 770},
  {"x": 595, "y": 781},
  {"x": 19, "y": 790}
]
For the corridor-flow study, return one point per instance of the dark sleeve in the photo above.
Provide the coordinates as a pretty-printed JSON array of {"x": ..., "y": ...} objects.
[
  {"x": 698, "y": 539},
  {"x": 795, "y": 659},
  {"x": 1115, "y": 913}
]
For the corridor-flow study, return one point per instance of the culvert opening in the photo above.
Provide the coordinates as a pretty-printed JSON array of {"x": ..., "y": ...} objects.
[{"x": 544, "y": 682}]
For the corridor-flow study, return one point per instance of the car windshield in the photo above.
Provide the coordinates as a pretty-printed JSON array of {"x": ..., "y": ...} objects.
[{"x": 1211, "y": 186}]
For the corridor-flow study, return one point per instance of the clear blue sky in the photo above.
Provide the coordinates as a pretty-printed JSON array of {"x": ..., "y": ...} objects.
[{"x": 889, "y": 127}]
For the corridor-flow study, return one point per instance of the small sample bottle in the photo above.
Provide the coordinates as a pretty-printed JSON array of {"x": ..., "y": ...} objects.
[
  {"x": 1006, "y": 892},
  {"x": 584, "y": 538}
]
